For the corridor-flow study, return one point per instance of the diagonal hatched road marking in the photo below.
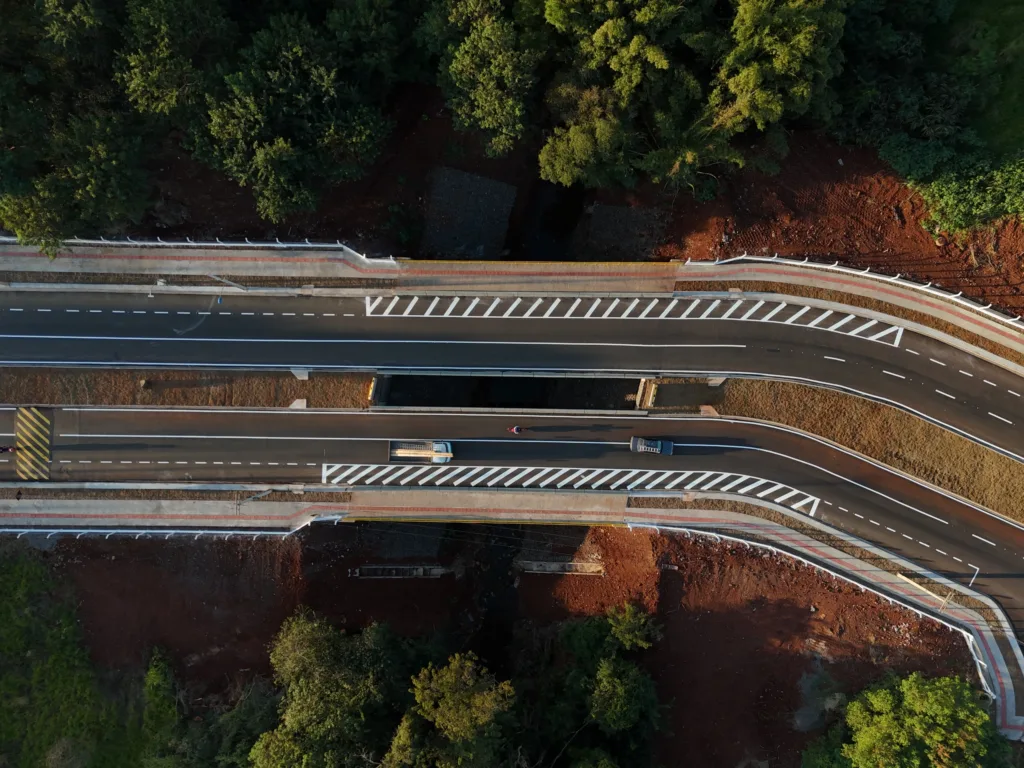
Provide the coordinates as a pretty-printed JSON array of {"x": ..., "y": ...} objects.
[{"x": 33, "y": 434}]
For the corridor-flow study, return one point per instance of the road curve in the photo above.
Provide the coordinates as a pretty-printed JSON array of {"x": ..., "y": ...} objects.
[
  {"x": 669, "y": 335},
  {"x": 567, "y": 453}
]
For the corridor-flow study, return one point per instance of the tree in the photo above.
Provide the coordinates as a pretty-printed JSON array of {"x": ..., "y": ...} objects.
[
  {"x": 592, "y": 758},
  {"x": 633, "y": 627},
  {"x": 913, "y": 721},
  {"x": 368, "y": 36},
  {"x": 784, "y": 55},
  {"x": 488, "y": 79},
  {"x": 629, "y": 96},
  {"x": 457, "y": 719},
  {"x": 462, "y": 698},
  {"x": 623, "y": 697},
  {"x": 595, "y": 146},
  {"x": 172, "y": 48},
  {"x": 288, "y": 122},
  {"x": 342, "y": 695},
  {"x": 93, "y": 182},
  {"x": 160, "y": 717}
]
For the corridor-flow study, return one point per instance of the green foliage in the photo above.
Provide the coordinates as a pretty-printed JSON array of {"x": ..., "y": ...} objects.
[
  {"x": 1000, "y": 121},
  {"x": 961, "y": 197},
  {"x": 289, "y": 122},
  {"x": 160, "y": 717},
  {"x": 913, "y": 721},
  {"x": 783, "y": 57},
  {"x": 288, "y": 96},
  {"x": 52, "y": 710},
  {"x": 172, "y": 47},
  {"x": 581, "y": 690},
  {"x": 461, "y": 698},
  {"x": 827, "y": 751},
  {"x": 595, "y": 147},
  {"x": 340, "y": 694},
  {"x": 587, "y": 641},
  {"x": 458, "y": 718},
  {"x": 47, "y": 690},
  {"x": 592, "y": 758},
  {"x": 633, "y": 627},
  {"x": 628, "y": 94},
  {"x": 95, "y": 183},
  {"x": 623, "y": 697},
  {"x": 910, "y": 87},
  {"x": 488, "y": 79},
  {"x": 368, "y": 37}
]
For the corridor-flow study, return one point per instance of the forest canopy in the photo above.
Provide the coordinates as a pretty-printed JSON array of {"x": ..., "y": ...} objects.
[{"x": 287, "y": 97}]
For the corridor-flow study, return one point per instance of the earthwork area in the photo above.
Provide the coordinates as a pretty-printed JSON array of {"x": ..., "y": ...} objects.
[{"x": 754, "y": 645}]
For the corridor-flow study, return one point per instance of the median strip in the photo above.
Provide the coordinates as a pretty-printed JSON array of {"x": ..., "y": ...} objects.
[{"x": 888, "y": 435}]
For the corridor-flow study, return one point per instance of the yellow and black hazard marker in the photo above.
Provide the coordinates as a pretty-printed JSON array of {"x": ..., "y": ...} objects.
[{"x": 33, "y": 429}]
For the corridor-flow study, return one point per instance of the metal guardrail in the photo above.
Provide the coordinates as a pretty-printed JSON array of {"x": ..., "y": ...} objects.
[
  {"x": 956, "y": 298},
  {"x": 1015, "y": 321},
  {"x": 188, "y": 242},
  {"x": 968, "y": 635}
]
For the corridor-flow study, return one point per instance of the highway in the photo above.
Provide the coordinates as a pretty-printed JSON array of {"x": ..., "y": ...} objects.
[
  {"x": 555, "y": 334},
  {"x": 759, "y": 462}
]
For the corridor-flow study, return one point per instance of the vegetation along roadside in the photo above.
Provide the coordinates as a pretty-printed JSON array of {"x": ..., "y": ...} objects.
[
  {"x": 290, "y": 100},
  {"x": 570, "y": 695}
]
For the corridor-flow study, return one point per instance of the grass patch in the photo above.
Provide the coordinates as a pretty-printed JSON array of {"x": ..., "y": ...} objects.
[
  {"x": 58, "y": 386},
  {"x": 888, "y": 435}
]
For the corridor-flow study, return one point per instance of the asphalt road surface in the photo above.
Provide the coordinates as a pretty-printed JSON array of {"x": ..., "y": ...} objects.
[
  {"x": 564, "y": 453},
  {"x": 558, "y": 335}
]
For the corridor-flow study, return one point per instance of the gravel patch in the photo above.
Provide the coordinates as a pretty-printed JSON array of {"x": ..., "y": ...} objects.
[{"x": 467, "y": 216}]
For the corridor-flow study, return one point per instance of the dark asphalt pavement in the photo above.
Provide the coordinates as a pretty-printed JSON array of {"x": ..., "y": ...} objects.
[
  {"x": 565, "y": 335},
  {"x": 929, "y": 527},
  {"x": 957, "y": 390}
]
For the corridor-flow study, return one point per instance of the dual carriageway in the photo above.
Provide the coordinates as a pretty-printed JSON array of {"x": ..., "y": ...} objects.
[{"x": 489, "y": 333}]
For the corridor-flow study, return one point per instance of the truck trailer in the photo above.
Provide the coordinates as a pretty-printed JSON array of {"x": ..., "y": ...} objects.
[{"x": 419, "y": 451}]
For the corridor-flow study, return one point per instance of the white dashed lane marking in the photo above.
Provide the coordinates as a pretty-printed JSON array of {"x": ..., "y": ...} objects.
[{"x": 997, "y": 416}]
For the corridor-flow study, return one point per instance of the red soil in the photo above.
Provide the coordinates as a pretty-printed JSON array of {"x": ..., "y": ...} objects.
[
  {"x": 843, "y": 203},
  {"x": 740, "y": 630},
  {"x": 739, "y": 626},
  {"x": 827, "y": 201}
]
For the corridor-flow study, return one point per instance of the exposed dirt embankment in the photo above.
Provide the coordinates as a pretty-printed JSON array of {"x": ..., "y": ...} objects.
[
  {"x": 844, "y": 203},
  {"x": 744, "y": 632}
]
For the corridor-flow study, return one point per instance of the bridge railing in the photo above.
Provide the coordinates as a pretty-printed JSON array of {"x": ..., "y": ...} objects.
[{"x": 930, "y": 288}]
